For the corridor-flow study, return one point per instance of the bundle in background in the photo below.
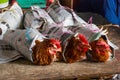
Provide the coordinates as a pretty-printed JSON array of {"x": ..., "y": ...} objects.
[
  {"x": 91, "y": 31},
  {"x": 11, "y": 19}
]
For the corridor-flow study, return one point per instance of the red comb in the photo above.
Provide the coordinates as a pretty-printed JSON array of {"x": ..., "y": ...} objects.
[
  {"x": 103, "y": 44},
  {"x": 56, "y": 42},
  {"x": 83, "y": 38}
]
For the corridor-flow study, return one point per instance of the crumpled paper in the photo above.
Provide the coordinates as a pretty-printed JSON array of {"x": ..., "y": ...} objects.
[
  {"x": 8, "y": 53},
  {"x": 37, "y": 18},
  {"x": 11, "y": 19},
  {"x": 23, "y": 40}
]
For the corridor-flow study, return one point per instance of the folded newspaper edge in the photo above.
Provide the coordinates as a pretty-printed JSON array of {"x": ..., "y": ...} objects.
[{"x": 7, "y": 53}]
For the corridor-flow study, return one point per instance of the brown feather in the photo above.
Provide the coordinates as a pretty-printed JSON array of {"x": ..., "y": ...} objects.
[
  {"x": 100, "y": 53},
  {"x": 72, "y": 53},
  {"x": 41, "y": 53}
]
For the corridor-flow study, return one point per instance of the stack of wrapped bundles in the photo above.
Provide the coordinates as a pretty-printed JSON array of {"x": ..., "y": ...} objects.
[
  {"x": 101, "y": 48},
  {"x": 33, "y": 45},
  {"x": 9, "y": 20},
  {"x": 58, "y": 34},
  {"x": 77, "y": 36},
  {"x": 28, "y": 42}
]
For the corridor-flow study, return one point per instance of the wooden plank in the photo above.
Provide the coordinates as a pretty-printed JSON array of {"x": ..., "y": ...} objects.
[{"x": 23, "y": 69}]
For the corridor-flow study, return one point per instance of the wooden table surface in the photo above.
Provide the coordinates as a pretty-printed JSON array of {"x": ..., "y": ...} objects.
[{"x": 22, "y": 69}]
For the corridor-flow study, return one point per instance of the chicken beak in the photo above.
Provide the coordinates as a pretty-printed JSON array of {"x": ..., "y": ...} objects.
[
  {"x": 59, "y": 50},
  {"x": 90, "y": 47}
]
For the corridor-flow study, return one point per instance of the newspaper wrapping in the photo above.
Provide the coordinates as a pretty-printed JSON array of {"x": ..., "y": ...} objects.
[
  {"x": 88, "y": 30},
  {"x": 65, "y": 15},
  {"x": 23, "y": 40},
  {"x": 13, "y": 16},
  {"x": 11, "y": 19},
  {"x": 59, "y": 14},
  {"x": 64, "y": 35},
  {"x": 37, "y": 18},
  {"x": 8, "y": 53},
  {"x": 93, "y": 33}
]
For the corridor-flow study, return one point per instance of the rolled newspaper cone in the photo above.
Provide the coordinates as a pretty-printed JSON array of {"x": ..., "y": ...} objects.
[
  {"x": 61, "y": 33},
  {"x": 95, "y": 35},
  {"x": 91, "y": 31},
  {"x": 11, "y": 19},
  {"x": 59, "y": 14},
  {"x": 101, "y": 51},
  {"x": 67, "y": 16},
  {"x": 74, "y": 46},
  {"x": 13, "y": 16},
  {"x": 37, "y": 18},
  {"x": 8, "y": 53},
  {"x": 33, "y": 45}
]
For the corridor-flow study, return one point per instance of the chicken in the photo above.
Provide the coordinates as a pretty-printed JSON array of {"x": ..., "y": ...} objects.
[
  {"x": 101, "y": 51},
  {"x": 44, "y": 53},
  {"x": 76, "y": 49}
]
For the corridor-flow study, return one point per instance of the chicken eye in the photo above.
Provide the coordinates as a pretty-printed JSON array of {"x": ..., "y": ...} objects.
[{"x": 54, "y": 46}]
